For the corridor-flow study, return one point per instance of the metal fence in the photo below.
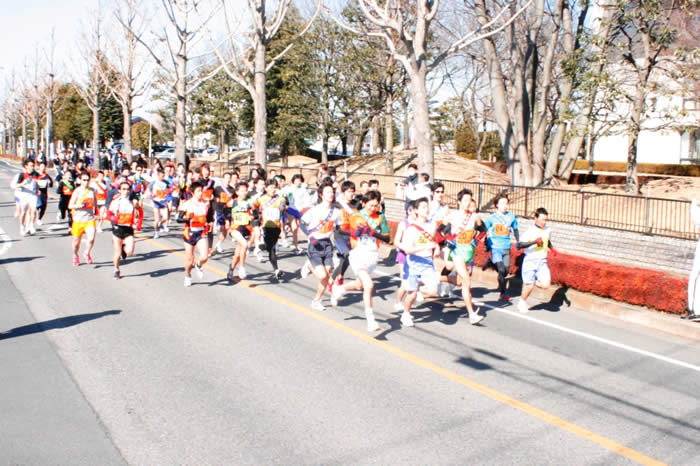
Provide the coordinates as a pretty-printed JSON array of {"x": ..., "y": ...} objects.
[{"x": 640, "y": 214}]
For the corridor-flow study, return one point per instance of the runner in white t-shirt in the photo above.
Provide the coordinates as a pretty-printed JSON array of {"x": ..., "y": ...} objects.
[{"x": 536, "y": 242}]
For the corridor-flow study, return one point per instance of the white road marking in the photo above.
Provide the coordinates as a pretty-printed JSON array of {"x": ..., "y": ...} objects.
[
  {"x": 578, "y": 333},
  {"x": 6, "y": 242}
]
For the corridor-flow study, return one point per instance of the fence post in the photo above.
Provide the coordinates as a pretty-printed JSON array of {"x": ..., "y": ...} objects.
[
  {"x": 525, "y": 214},
  {"x": 582, "y": 204},
  {"x": 345, "y": 169},
  {"x": 648, "y": 209}
]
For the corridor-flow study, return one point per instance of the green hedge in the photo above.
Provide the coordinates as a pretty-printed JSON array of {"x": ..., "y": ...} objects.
[{"x": 642, "y": 168}]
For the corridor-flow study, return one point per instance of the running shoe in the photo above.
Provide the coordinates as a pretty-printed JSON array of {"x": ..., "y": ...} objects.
[
  {"x": 188, "y": 281},
  {"x": 31, "y": 229},
  {"x": 200, "y": 272},
  {"x": 475, "y": 318},
  {"x": 317, "y": 305},
  {"x": 372, "y": 325},
  {"x": 117, "y": 275},
  {"x": 229, "y": 275},
  {"x": 21, "y": 230},
  {"x": 76, "y": 261},
  {"x": 241, "y": 273},
  {"x": 398, "y": 306},
  {"x": 338, "y": 292},
  {"x": 165, "y": 228},
  {"x": 39, "y": 222},
  {"x": 258, "y": 253},
  {"x": 156, "y": 235},
  {"x": 406, "y": 319},
  {"x": 299, "y": 251},
  {"x": 522, "y": 306},
  {"x": 305, "y": 269},
  {"x": 99, "y": 229},
  {"x": 88, "y": 259},
  {"x": 278, "y": 274},
  {"x": 219, "y": 249},
  {"x": 504, "y": 297}
]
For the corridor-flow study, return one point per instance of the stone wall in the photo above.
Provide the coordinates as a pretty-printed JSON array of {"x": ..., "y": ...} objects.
[{"x": 625, "y": 248}]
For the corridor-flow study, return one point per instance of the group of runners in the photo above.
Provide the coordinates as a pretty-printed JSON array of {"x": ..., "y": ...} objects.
[{"x": 344, "y": 229}]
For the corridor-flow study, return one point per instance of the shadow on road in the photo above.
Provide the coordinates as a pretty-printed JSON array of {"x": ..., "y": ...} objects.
[
  {"x": 62, "y": 322},
  {"x": 11, "y": 260}
]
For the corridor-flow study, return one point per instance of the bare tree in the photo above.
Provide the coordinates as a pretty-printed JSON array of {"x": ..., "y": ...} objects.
[
  {"x": 180, "y": 37},
  {"x": 245, "y": 59},
  {"x": 125, "y": 71},
  {"x": 405, "y": 28},
  {"x": 92, "y": 89}
]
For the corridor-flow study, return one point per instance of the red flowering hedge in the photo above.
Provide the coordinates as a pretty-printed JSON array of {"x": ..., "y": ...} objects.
[{"x": 641, "y": 287}]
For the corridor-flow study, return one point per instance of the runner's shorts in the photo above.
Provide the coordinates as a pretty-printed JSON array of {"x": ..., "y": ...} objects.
[
  {"x": 421, "y": 269},
  {"x": 501, "y": 255},
  {"x": 535, "y": 270},
  {"x": 244, "y": 230},
  {"x": 222, "y": 217},
  {"x": 320, "y": 252},
  {"x": 463, "y": 252},
  {"x": 160, "y": 204},
  {"x": 79, "y": 228},
  {"x": 122, "y": 231},
  {"x": 363, "y": 259},
  {"x": 26, "y": 200},
  {"x": 193, "y": 237}
]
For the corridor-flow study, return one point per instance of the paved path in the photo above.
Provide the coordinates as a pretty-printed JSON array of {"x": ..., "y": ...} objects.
[{"x": 247, "y": 374}]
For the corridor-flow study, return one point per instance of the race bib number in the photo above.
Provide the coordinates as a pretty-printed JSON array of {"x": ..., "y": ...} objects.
[
  {"x": 367, "y": 241},
  {"x": 125, "y": 218},
  {"x": 42, "y": 183},
  {"x": 542, "y": 247},
  {"x": 501, "y": 230},
  {"x": 208, "y": 195},
  {"x": 271, "y": 214},
  {"x": 198, "y": 221},
  {"x": 465, "y": 237},
  {"x": 241, "y": 218},
  {"x": 160, "y": 194}
]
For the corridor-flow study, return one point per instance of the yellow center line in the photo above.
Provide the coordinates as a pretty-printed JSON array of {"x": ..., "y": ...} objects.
[{"x": 475, "y": 386}]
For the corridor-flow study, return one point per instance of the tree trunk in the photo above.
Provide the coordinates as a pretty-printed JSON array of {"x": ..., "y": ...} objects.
[
  {"x": 180, "y": 106},
  {"x": 344, "y": 144},
  {"x": 632, "y": 185},
  {"x": 259, "y": 104},
  {"x": 23, "y": 149},
  {"x": 36, "y": 131},
  {"x": 126, "y": 114},
  {"x": 389, "y": 136},
  {"x": 406, "y": 142},
  {"x": 96, "y": 136},
  {"x": 325, "y": 118},
  {"x": 49, "y": 128},
  {"x": 500, "y": 108},
  {"x": 376, "y": 130},
  {"x": 421, "y": 122},
  {"x": 581, "y": 123},
  {"x": 359, "y": 136}
]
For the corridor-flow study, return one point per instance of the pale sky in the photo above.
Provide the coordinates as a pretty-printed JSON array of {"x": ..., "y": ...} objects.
[{"x": 27, "y": 24}]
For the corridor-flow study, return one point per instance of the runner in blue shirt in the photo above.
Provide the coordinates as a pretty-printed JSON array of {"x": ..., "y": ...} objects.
[{"x": 499, "y": 226}]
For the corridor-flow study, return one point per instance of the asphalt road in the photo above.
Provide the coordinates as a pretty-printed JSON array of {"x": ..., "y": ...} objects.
[{"x": 146, "y": 371}]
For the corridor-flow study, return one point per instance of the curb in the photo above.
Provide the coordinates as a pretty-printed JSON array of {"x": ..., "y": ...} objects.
[{"x": 586, "y": 302}]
